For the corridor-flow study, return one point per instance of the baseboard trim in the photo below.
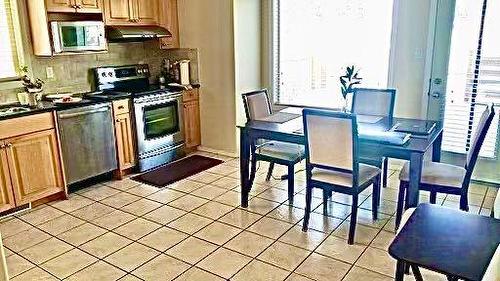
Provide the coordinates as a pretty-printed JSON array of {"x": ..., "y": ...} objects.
[{"x": 216, "y": 151}]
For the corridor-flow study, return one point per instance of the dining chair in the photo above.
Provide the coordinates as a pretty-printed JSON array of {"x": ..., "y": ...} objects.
[
  {"x": 445, "y": 178},
  {"x": 375, "y": 103},
  {"x": 257, "y": 105},
  {"x": 332, "y": 162}
]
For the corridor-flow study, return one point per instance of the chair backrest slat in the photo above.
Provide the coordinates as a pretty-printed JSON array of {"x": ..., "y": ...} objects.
[
  {"x": 375, "y": 102},
  {"x": 257, "y": 104}
]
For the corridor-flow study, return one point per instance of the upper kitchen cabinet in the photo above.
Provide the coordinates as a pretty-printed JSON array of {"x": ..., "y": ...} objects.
[
  {"x": 131, "y": 12},
  {"x": 74, "y": 6},
  {"x": 169, "y": 20}
]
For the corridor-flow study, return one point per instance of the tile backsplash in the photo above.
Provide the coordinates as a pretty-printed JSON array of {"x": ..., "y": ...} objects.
[{"x": 72, "y": 73}]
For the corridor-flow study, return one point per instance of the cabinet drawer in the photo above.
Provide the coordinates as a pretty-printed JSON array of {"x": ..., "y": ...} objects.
[
  {"x": 25, "y": 125},
  {"x": 121, "y": 106},
  {"x": 190, "y": 95}
]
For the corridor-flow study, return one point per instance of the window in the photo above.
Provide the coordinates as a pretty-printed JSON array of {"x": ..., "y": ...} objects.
[
  {"x": 315, "y": 40},
  {"x": 473, "y": 75},
  {"x": 10, "y": 51}
]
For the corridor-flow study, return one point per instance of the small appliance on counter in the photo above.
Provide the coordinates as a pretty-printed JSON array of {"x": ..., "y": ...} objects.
[{"x": 157, "y": 110}]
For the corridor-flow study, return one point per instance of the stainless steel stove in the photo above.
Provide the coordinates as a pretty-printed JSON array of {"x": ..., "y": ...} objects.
[{"x": 157, "y": 112}]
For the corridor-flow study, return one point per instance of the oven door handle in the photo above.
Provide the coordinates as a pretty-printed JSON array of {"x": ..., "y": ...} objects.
[
  {"x": 71, "y": 115},
  {"x": 160, "y": 100}
]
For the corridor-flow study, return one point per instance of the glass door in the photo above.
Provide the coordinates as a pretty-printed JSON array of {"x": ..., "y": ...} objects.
[
  {"x": 465, "y": 77},
  {"x": 160, "y": 120}
]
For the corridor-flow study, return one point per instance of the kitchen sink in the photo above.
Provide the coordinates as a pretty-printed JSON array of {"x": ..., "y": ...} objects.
[{"x": 13, "y": 110}]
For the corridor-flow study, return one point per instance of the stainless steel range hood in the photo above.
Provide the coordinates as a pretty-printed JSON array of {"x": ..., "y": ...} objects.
[{"x": 135, "y": 33}]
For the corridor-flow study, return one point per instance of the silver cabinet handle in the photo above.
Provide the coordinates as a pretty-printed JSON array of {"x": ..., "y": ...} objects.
[
  {"x": 71, "y": 115},
  {"x": 9, "y": 145}
]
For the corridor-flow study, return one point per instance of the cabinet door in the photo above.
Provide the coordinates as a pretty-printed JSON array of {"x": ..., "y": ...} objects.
[
  {"x": 146, "y": 12},
  {"x": 88, "y": 6},
  {"x": 169, "y": 20},
  {"x": 124, "y": 141},
  {"x": 62, "y": 6},
  {"x": 6, "y": 195},
  {"x": 192, "y": 123},
  {"x": 118, "y": 12},
  {"x": 34, "y": 165}
]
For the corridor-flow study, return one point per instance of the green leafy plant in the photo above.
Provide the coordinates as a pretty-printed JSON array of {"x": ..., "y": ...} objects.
[
  {"x": 349, "y": 80},
  {"x": 30, "y": 84}
]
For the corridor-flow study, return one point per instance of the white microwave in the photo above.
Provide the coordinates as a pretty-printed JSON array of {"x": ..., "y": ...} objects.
[{"x": 78, "y": 36}]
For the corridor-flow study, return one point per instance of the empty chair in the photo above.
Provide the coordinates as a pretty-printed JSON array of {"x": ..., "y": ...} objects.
[
  {"x": 332, "y": 162},
  {"x": 445, "y": 178},
  {"x": 257, "y": 106},
  {"x": 374, "y": 103}
]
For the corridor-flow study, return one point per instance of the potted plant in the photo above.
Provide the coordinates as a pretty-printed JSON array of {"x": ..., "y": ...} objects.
[
  {"x": 33, "y": 87},
  {"x": 348, "y": 82}
]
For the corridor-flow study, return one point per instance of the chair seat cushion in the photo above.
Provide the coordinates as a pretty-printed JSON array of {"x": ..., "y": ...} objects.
[
  {"x": 438, "y": 174},
  {"x": 366, "y": 173},
  {"x": 282, "y": 150}
]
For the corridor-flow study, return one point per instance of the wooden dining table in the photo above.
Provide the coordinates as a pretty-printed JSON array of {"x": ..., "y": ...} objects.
[{"x": 292, "y": 132}]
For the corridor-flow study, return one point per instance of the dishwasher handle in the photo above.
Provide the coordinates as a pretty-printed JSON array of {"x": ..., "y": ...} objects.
[{"x": 71, "y": 115}]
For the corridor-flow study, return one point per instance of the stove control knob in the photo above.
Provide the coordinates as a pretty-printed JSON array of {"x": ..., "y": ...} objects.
[
  {"x": 103, "y": 74},
  {"x": 110, "y": 74},
  {"x": 139, "y": 71}
]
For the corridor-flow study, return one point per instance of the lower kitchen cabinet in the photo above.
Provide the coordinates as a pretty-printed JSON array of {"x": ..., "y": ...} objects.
[
  {"x": 192, "y": 123},
  {"x": 33, "y": 162},
  {"x": 6, "y": 195},
  {"x": 125, "y": 148}
]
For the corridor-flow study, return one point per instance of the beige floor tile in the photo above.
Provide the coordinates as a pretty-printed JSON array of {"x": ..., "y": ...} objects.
[
  {"x": 68, "y": 263},
  {"x": 270, "y": 227},
  {"x": 129, "y": 277},
  {"x": 189, "y": 223},
  {"x": 227, "y": 183},
  {"x": 198, "y": 275},
  {"x": 191, "y": 250},
  {"x": 261, "y": 206},
  {"x": 364, "y": 234},
  {"x": 338, "y": 248},
  {"x": 188, "y": 203},
  {"x": 185, "y": 185},
  {"x": 240, "y": 218},
  {"x": 92, "y": 211},
  {"x": 284, "y": 255},
  {"x": 141, "y": 207},
  {"x": 163, "y": 238},
  {"x": 119, "y": 200},
  {"x": 383, "y": 240},
  {"x": 137, "y": 228},
  {"x": 223, "y": 169},
  {"x": 249, "y": 243},
  {"x": 99, "y": 192},
  {"x": 386, "y": 207},
  {"x": 321, "y": 268},
  {"x": 164, "y": 214},
  {"x": 143, "y": 190},
  {"x": 336, "y": 210},
  {"x": 25, "y": 239},
  {"x": 274, "y": 194},
  {"x": 97, "y": 272},
  {"x": 377, "y": 260},
  {"x": 307, "y": 240},
  {"x": 13, "y": 226},
  {"x": 217, "y": 233},
  {"x": 224, "y": 262},
  {"x": 213, "y": 210},
  {"x": 209, "y": 192},
  {"x": 287, "y": 213},
  {"x": 114, "y": 219},
  {"x": 231, "y": 198},
  {"x": 131, "y": 257},
  {"x": 165, "y": 196},
  {"x": 34, "y": 274},
  {"x": 46, "y": 250},
  {"x": 365, "y": 218},
  {"x": 41, "y": 215},
  {"x": 259, "y": 271},
  {"x": 358, "y": 273},
  {"x": 81, "y": 234},
  {"x": 61, "y": 224},
  {"x": 205, "y": 177},
  {"x": 124, "y": 184},
  {"x": 297, "y": 277},
  {"x": 162, "y": 267},
  {"x": 322, "y": 223},
  {"x": 74, "y": 202},
  {"x": 17, "y": 265},
  {"x": 299, "y": 201},
  {"x": 106, "y": 244}
]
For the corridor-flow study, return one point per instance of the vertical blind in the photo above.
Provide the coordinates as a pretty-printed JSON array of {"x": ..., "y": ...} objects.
[
  {"x": 473, "y": 75},
  {"x": 9, "y": 66}
]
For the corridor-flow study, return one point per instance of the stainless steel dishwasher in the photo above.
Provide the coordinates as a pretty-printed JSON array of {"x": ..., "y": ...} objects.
[{"x": 87, "y": 141}]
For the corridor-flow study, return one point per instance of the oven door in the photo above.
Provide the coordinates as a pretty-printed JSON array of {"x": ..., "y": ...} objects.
[
  {"x": 159, "y": 122},
  {"x": 78, "y": 36}
]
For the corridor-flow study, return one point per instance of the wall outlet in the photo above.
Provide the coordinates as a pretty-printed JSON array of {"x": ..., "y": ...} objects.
[{"x": 50, "y": 72}]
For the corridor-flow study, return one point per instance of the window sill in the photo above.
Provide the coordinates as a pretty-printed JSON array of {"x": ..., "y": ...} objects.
[{"x": 10, "y": 83}]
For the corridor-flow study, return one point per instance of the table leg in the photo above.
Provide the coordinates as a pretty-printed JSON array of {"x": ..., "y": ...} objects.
[
  {"x": 244, "y": 166},
  {"x": 416, "y": 162},
  {"x": 436, "y": 148},
  {"x": 400, "y": 271}
]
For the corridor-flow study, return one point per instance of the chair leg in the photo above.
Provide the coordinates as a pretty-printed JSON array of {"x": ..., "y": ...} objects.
[
  {"x": 291, "y": 183},
  {"x": 270, "y": 171},
  {"x": 307, "y": 214},
  {"x": 385, "y": 171},
  {"x": 464, "y": 203},
  {"x": 416, "y": 273},
  {"x": 407, "y": 268},
  {"x": 253, "y": 169},
  {"x": 433, "y": 198},
  {"x": 376, "y": 198},
  {"x": 400, "y": 271},
  {"x": 326, "y": 194},
  {"x": 354, "y": 216},
  {"x": 401, "y": 199}
]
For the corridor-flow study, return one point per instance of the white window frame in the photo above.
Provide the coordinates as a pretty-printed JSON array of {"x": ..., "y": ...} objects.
[{"x": 20, "y": 51}]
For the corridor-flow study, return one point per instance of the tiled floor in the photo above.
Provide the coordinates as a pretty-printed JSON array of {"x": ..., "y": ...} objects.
[{"x": 194, "y": 230}]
